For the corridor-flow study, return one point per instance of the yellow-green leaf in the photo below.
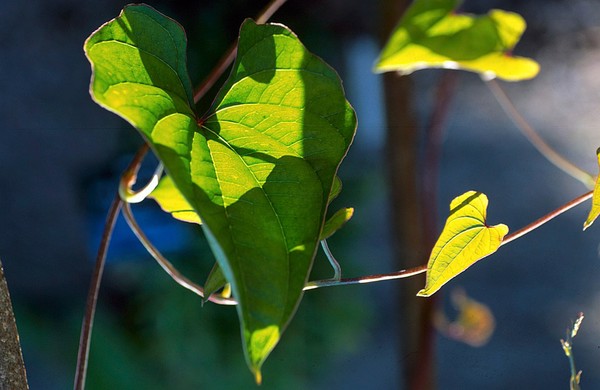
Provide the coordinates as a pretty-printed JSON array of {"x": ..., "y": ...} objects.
[
  {"x": 336, "y": 222},
  {"x": 465, "y": 239},
  {"x": 595, "y": 211},
  {"x": 172, "y": 201},
  {"x": 431, "y": 34}
]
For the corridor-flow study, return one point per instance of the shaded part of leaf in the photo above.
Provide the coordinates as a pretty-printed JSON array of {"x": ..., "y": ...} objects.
[
  {"x": 148, "y": 47},
  {"x": 465, "y": 239},
  {"x": 336, "y": 222},
  {"x": 432, "y": 35},
  {"x": 336, "y": 189},
  {"x": 595, "y": 210},
  {"x": 284, "y": 113},
  {"x": 172, "y": 201},
  {"x": 214, "y": 282}
]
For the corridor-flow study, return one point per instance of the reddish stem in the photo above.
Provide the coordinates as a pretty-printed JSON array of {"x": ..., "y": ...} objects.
[{"x": 92, "y": 298}]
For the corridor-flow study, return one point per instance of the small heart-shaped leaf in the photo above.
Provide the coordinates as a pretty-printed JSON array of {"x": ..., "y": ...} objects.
[
  {"x": 431, "y": 34},
  {"x": 465, "y": 239}
]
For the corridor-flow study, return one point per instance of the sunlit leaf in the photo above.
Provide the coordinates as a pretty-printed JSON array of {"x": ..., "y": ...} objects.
[
  {"x": 258, "y": 168},
  {"x": 172, "y": 201},
  {"x": 465, "y": 239},
  {"x": 431, "y": 34},
  {"x": 336, "y": 222},
  {"x": 595, "y": 211}
]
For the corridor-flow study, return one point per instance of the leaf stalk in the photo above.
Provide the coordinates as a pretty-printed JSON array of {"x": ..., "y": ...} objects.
[{"x": 534, "y": 138}]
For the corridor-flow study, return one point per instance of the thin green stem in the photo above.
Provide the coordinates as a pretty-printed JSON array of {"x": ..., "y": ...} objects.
[
  {"x": 529, "y": 132},
  {"x": 567, "y": 345},
  {"x": 539, "y": 222},
  {"x": 337, "y": 269}
]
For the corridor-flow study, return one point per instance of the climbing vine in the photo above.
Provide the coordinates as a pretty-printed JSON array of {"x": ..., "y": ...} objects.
[{"x": 258, "y": 170}]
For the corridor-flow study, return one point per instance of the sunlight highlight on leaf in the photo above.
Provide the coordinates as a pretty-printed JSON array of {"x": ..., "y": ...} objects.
[
  {"x": 465, "y": 239},
  {"x": 336, "y": 222},
  {"x": 431, "y": 34},
  {"x": 595, "y": 210},
  {"x": 170, "y": 199}
]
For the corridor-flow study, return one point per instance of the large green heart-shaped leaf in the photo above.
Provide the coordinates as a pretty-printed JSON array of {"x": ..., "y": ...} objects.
[
  {"x": 258, "y": 168},
  {"x": 595, "y": 210},
  {"x": 465, "y": 239},
  {"x": 431, "y": 34}
]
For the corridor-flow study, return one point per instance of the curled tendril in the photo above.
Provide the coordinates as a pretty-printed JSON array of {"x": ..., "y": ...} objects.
[{"x": 128, "y": 179}]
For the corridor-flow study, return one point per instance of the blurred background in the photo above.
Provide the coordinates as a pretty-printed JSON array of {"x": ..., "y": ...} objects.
[{"x": 61, "y": 156}]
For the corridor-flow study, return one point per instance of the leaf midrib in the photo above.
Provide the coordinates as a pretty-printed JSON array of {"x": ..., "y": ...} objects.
[{"x": 258, "y": 185}]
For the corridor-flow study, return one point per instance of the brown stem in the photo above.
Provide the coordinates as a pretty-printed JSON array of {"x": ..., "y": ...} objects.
[
  {"x": 217, "y": 72},
  {"x": 166, "y": 264},
  {"x": 406, "y": 273},
  {"x": 269, "y": 10},
  {"x": 539, "y": 222},
  {"x": 423, "y": 268},
  {"x": 229, "y": 55},
  {"x": 92, "y": 299}
]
